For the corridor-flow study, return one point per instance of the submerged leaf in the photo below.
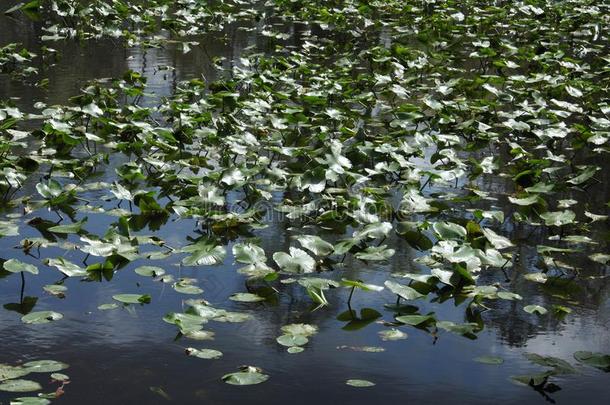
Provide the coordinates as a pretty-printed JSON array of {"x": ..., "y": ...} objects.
[
  {"x": 597, "y": 360},
  {"x": 492, "y": 360}
]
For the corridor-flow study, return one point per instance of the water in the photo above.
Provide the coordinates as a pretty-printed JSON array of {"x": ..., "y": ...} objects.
[{"x": 123, "y": 356}]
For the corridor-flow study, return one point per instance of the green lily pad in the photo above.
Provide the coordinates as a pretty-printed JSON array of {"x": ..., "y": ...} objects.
[
  {"x": 20, "y": 386},
  {"x": 597, "y": 360},
  {"x": 415, "y": 320},
  {"x": 392, "y": 334},
  {"x": 60, "y": 377},
  {"x": 56, "y": 290},
  {"x": 30, "y": 401},
  {"x": 41, "y": 317},
  {"x": 16, "y": 266},
  {"x": 183, "y": 287},
  {"x": 537, "y": 309},
  {"x": 246, "y": 297},
  {"x": 45, "y": 366},
  {"x": 149, "y": 271},
  {"x": 203, "y": 353},
  {"x": 10, "y": 372},
  {"x": 249, "y": 375},
  {"x": 292, "y": 340},
  {"x": 132, "y": 298},
  {"x": 403, "y": 291}
]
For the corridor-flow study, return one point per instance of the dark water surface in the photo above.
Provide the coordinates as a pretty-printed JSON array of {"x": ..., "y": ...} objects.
[{"x": 125, "y": 356}]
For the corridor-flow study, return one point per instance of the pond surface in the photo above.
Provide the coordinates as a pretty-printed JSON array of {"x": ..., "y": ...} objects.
[{"x": 129, "y": 353}]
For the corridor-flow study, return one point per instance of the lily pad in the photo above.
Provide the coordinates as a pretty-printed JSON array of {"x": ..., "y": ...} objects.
[
  {"x": 246, "y": 297},
  {"x": 392, "y": 334},
  {"x": 41, "y": 317},
  {"x": 132, "y": 298},
  {"x": 249, "y": 375},
  {"x": 597, "y": 360},
  {"x": 491, "y": 360},
  {"x": 107, "y": 307},
  {"x": 150, "y": 271},
  {"x": 203, "y": 353},
  {"x": 10, "y": 372},
  {"x": 537, "y": 309},
  {"x": 29, "y": 401},
  {"x": 360, "y": 383},
  {"x": 20, "y": 386},
  {"x": 45, "y": 366},
  {"x": 16, "y": 266},
  {"x": 292, "y": 340}
]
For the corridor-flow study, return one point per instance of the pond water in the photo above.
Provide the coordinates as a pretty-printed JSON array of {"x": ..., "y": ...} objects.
[{"x": 130, "y": 354}]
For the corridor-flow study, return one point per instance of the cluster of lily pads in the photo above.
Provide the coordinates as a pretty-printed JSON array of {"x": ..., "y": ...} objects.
[
  {"x": 374, "y": 124},
  {"x": 12, "y": 380}
]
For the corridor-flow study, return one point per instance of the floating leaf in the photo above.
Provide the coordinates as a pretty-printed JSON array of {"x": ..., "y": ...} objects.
[
  {"x": 249, "y": 375},
  {"x": 10, "y": 372},
  {"x": 292, "y": 340},
  {"x": 150, "y": 271},
  {"x": 375, "y": 253},
  {"x": 298, "y": 261},
  {"x": 559, "y": 366},
  {"x": 132, "y": 298},
  {"x": 558, "y": 218},
  {"x": 392, "y": 334},
  {"x": 360, "y": 383},
  {"x": 492, "y": 360},
  {"x": 449, "y": 230},
  {"x": 249, "y": 253},
  {"x": 45, "y": 366},
  {"x": 530, "y": 309},
  {"x": 20, "y": 386},
  {"x": 403, "y": 291},
  {"x": 107, "y": 307},
  {"x": 56, "y": 290},
  {"x": 415, "y": 320},
  {"x": 360, "y": 285},
  {"x": 315, "y": 244},
  {"x": 15, "y": 266},
  {"x": 41, "y": 317},
  {"x": 246, "y": 297},
  {"x": 60, "y": 377},
  {"x": 536, "y": 277},
  {"x": 75, "y": 227},
  {"x": 30, "y": 401},
  {"x": 597, "y": 360},
  {"x": 203, "y": 253},
  {"x": 185, "y": 286},
  {"x": 302, "y": 329},
  {"x": 203, "y": 353},
  {"x": 199, "y": 335},
  {"x": 66, "y": 267}
]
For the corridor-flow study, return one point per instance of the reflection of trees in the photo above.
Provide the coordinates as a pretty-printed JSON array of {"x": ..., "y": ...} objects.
[{"x": 515, "y": 326}]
